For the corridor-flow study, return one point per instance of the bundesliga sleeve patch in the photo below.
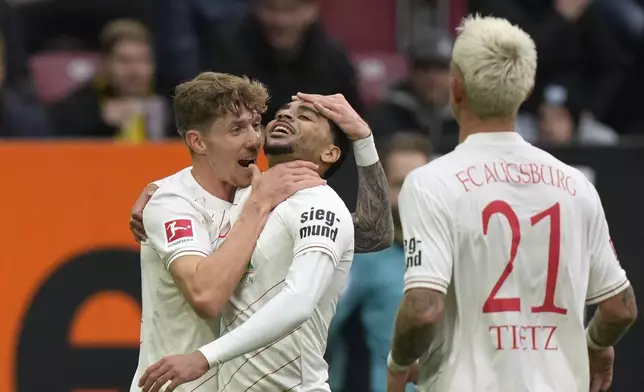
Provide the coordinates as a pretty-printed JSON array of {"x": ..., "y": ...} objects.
[{"x": 179, "y": 229}]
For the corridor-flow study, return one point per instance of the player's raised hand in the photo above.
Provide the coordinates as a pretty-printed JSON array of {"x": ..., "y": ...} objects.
[
  {"x": 283, "y": 180},
  {"x": 136, "y": 218},
  {"x": 174, "y": 369},
  {"x": 601, "y": 369},
  {"x": 337, "y": 109}
]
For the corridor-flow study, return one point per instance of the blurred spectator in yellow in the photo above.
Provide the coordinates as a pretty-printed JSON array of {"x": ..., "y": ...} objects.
[
  {"x": 119, "y": 102},
  {"x": 375, "y": 285},
  {"x": 561, "y": 121},
  {"x": 21, "y": 115},
  {"x": 421, "y": 101},
  {"x": 574, "y": 44}
]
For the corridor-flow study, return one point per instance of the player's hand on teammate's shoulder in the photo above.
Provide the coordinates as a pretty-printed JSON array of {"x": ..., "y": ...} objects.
[
  {"x": 601, "y": 369},
  {"x": 176, "y": 369},
  {"x": 281, "y": 181},
  {"x": 337, "y": 109},
  {"x": 136, "y": 219}
]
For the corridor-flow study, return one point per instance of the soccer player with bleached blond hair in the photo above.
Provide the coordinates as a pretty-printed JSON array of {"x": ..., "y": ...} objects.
[{"x": 505, "y": 245}]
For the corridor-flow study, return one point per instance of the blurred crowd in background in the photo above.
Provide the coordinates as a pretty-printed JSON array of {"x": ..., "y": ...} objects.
[{"x": 106, "y": 69}]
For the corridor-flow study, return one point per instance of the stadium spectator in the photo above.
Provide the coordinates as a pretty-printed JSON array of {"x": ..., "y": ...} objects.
[
  {"x": 283, "y": 44},
  {"x": 376, "y": 279},
  {"x": 560, "y": 121},
  {"x": 421, "y": 101},
  {"x": 180, "y": 30},
  {"x": 20, "y": 112},
  {"x": 574, "y": 43},
  {"x": 15, "y": 60},
  {"x": 119, "y": 101}
]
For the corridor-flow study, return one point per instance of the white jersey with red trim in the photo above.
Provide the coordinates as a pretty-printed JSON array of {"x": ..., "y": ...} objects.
[
  {"x": 314, "y": 219},
  {"x": 518, "y": 242},
  {"x": 180, "y": 219}
]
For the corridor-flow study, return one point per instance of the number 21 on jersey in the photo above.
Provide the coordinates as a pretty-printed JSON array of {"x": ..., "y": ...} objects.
[{"x": 493, "y": 304}]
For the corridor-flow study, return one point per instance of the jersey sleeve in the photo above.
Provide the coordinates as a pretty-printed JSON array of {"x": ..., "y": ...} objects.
[
  {"x": 175, "y": 228},
  {"x": 318, "y": 223},
  {"x": 607, "y": 278},
  {"x": 427, "y": 235}
]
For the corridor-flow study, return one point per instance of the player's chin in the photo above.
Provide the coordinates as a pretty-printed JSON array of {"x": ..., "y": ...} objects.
[{"x": 243, "y": 176}]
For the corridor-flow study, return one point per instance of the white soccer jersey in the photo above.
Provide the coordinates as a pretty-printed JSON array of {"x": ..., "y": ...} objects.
[
  {"x": 519, "y": 243},
  {"x": 180, "y": 219},
  {"x": 314, "y": 219}
]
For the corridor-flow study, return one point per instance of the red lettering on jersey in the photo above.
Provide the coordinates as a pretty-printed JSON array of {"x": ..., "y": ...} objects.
[
  {"x": 524, "y": 173},
  {"x": 552, "y": 330},
  {"x": 177, "y": 229},
  {"x": 489, "y": 176},
  {"x": 524, "y": 337}
]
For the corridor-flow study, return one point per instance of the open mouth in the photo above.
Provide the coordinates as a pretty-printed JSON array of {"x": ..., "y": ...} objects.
[
  {"x": 282, "y": 129},
  {"x": 245, "y": 162}
]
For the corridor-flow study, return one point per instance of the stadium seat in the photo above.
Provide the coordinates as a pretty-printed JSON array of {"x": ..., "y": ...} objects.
[
  {"x": 361, "y": 25},
  {"x": 376, "y": 71},
  {"x": 56, "y": 74}
]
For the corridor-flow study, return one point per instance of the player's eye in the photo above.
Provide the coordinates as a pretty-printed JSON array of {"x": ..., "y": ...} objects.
[
  {"x": 303, "y": 117},
  {"x": 235, "y": 130}
]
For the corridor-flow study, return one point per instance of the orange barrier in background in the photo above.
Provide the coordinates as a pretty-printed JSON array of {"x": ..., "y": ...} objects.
[{"x": 59, "y": 199}]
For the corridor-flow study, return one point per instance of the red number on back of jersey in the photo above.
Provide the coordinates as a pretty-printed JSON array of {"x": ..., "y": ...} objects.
[{"x": 492, "y": 303}]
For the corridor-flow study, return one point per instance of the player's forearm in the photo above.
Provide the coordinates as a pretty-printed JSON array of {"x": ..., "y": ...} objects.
[
  {"x": 415, "y": 329},
  {"x": 309, "y": 277},
  {"x": 609, "y": 324},
  {"x": 373, "y": 222},
  {"x": 217, "y": 275}
]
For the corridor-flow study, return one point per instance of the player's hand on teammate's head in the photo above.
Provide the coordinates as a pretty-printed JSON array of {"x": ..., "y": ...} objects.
[
  {"x": 282, "y": 180},
  {"x": 136, "y": 218},
  {"x": 601, "y": 369},
  {"x": 337, "y": 109},
  {"x": 175, "y": 369}
]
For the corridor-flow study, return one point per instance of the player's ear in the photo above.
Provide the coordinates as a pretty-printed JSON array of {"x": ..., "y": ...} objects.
[
  {"x": 195, "y": 142},
  {"x": 330, "y": 154}
]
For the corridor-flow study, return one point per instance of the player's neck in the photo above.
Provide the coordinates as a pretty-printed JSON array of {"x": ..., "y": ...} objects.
[
  {"x": 282, "y": 158},
  {"x": 470, "y": 125},
  {"x": 207, "y": 179}
]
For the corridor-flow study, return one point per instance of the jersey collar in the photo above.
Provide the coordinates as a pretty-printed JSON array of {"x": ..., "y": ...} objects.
[{"x": 494, "y": 138}]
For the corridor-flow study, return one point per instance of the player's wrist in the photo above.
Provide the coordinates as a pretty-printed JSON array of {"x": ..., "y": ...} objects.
[
  {"x": 257, "y": 206},
  {"x": 209, "y": 352},
  {"x": 365, "y": 151},
  {"x": 590, "y": 342},
  {"x": 395, "y": 367}
]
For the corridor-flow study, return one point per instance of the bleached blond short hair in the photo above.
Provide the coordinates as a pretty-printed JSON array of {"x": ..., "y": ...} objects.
[{"x": 498, "y": 63}]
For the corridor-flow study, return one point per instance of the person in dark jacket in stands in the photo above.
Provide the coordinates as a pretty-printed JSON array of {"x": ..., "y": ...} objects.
[
  {"x": 421, "y": 100},
  {"x": 119, "y": 102},
  {"x": 283, "y": 44},
  {"x": 574, "y": 44},
  {"x": 21, "y": 115}
]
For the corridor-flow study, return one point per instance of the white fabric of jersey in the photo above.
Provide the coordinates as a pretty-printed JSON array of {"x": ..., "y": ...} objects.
[
  {"x": 180, "y": 219},
  {"x": 518, "y": 242},
  {"x": 311, "y": 227}
]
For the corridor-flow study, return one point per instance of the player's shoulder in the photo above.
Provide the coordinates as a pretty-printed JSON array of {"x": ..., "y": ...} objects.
[
  {"x": 176, "y": 193},
  {"x": 434, "y": 175},
  {"x": 322, "y": 196}
]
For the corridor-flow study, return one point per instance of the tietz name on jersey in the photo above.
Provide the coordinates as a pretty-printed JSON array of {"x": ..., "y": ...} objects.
[{"x": 322, "y": 223}]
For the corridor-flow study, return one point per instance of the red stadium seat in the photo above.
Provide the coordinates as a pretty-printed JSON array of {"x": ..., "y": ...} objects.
[
  {"x": 56, "y": 74},
  {"x": 376, "y": 71},
  {"x": 361, "y": 25}
]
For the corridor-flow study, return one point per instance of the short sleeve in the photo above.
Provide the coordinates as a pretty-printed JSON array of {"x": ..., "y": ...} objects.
[
  {"x": 175, "y": 228},
  {"x": 607, "y": 278},
  {"x": 427, "y": 235},
  {"x": 319, "y": 223}
]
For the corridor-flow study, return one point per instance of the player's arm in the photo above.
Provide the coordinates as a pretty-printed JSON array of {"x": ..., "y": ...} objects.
[
  {"x": 428, "y": 252},
  {"x": 314, "y": 262},
  {"x": 373, "y": 222},
  {"x": 608, "y": 286},
  {"x": 204, "y": 278}
]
